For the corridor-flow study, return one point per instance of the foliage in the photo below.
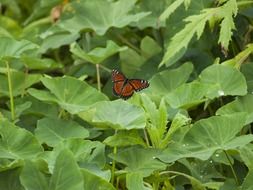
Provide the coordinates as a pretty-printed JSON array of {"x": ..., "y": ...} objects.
[{"x": 61, "y": 127}]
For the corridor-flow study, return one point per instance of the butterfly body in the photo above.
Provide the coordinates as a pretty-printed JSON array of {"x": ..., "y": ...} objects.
[{"x": 124, "y": 87}]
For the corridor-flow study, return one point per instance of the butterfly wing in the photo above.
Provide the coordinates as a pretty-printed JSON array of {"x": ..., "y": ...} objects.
[
  {"x": 117, "y": 76},
  {"x": 138, "y": 84},
  {"x": 127, "y": 90},
  {"x": 123, "y": 87},
  {"x": 118, "y": 80}
]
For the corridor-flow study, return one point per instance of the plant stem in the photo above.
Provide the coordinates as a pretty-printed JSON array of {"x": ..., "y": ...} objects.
[
  {"x": 146, "y": 137},
  {"x": 113, "y": 162},
  {"x": 98, "y": 78},
  {"x": 231, "y": 166},
  {"x": 10, "y": 91}
]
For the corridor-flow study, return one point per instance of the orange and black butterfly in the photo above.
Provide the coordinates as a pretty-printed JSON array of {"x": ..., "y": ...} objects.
[{"x": 124, "y": 87}]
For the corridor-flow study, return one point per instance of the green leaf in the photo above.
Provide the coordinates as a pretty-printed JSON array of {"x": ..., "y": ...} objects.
[
  {"x": 13, "y": 48},
  {"x": 66, "y": 174},
  {"x": 20, "y": 82},
  {"x": 229, "y": 10},
  {"x": 40, "y": 64},
  {"x": 94, "y": 182},
  {"x": 164, "y": 82},
  {"x": 247, "y": 183},
  {"x": 86, "y": 153},
  {"x": 207, "y": 136},
  {"x": 180, "y": 41},
  {"x": 98, "y": 54},
  {"x": 117, "y": 114},
  {"x": 17, "y": 143},
  {"x": 107, "y": 15},
  {"x": 195, "y": 26},
  {"x": 134, "y": 181},
  {"x": 52, "y": 131},
  {"x": 246, "y": 154},
  {"x": 41, "y": 9},
  {"x": 240, "y": 58},
  {"x": 132, "y": 60},
  {"x": 226, "y": 80},
  {"x": 157, "y": 118},
  {"x": 9, "y": 180},
  {"x": 124, "y": 138},
  {"x": 187, "y": 95},
  {"x": 173, "y": 6},
  {"x": 240, "y": 104},
  {"x": 56, "y": 39},
  {"x": 69, "y": 93},
  {"x": 138, "y": 159},
  {"x": 32, "y": 171}
]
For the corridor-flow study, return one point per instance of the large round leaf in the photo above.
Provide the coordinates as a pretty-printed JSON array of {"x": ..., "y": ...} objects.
[
  {"x": 17, "y": 143},
  {"x": 164, "y": 82},
  {"x": 71, "y": 94},
  {"x": 208, "y": 136},
  {"x": 108, "y": 14},
  {"x": 228, "y": 80},
  {"x": 117, "y": 114},
  {"x": 52, "y": 131}
]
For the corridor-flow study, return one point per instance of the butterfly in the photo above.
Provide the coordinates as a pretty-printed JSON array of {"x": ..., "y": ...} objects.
[{"x": 124, "y": 87}]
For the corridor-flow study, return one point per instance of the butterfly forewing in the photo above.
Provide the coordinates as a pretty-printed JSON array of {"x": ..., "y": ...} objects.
[{"x": 117, "y": 76}]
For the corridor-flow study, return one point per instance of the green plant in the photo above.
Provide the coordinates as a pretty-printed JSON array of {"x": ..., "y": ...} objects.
[{"x": 61, "y": 127}]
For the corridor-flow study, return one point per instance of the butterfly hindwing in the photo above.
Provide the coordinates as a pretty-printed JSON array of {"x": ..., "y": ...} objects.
[{"x": 138, "y": 84}]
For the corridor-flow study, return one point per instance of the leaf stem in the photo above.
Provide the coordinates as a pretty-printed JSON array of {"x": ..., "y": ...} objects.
[
  {"x": 98, "y": 78},
  {"x": 146, "y": 137},
  {"x": 231, "y": 166},
  {"x": 113, "y": 162},
  {"x": 10, "y": 91}
]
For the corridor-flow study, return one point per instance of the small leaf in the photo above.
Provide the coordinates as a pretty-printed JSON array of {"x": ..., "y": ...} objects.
[
  {"x": 116, "y": 114},
  {"x": 13, "y": 48},
  {"x": 187, "y": 95},
  {"x": 94, "y": 182},
  {"x": 20, "y": 82},
  {"x": 124, "y": 138},
  {"x": 69, "y": 93},
  {"x": 240, "y": 104},
  {"x": 98, "y": 54},
  {"x": 53, "y": 131},
  {"x": 40, "y": 64},
  {"x": 138, "y": 159}
]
